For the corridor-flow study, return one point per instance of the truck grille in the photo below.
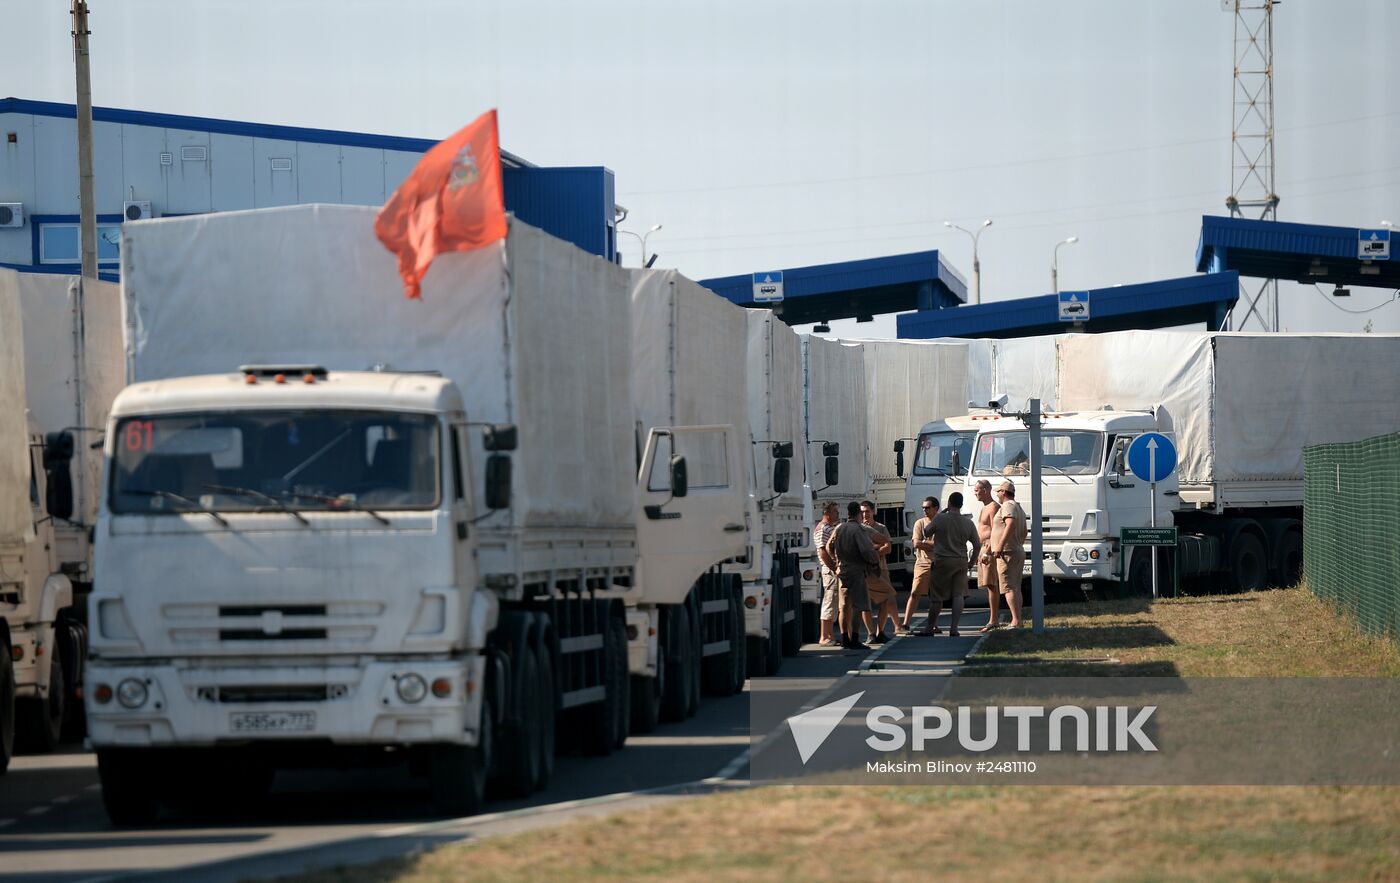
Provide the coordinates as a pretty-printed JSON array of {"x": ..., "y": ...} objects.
[{"x": 1055, "y": 525}]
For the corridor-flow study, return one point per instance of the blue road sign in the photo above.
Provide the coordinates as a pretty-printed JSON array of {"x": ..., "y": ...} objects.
[
  {"x": 1373, "y": 245},
  {"x": 1152, "y": 456},
  {"x": 768, "y": 286},
  {"x": 1074, "y": 306}
]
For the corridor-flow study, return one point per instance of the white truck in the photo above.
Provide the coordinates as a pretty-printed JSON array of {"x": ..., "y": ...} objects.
[
  {"x": 688, "y": 389},
  {"x": 68, "y": 374},
  {"x": 782, "y": 518},
  {"x": 403, "y": 529},
  {"x": 833, "y": 407}
]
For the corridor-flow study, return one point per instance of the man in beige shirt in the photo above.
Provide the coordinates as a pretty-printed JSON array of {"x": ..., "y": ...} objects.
[
  {"x": 882, "y": 595},
  {"x": 986, "y": 570},
  {"x": 922, "y": 542},
  {"x": 854, "y": 553},
  {"x": 952, "y": 532},
  {"x": 1007, "y": 549}
]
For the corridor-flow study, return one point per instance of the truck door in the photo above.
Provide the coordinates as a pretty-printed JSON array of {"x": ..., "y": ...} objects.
[
  {"x": 682, "y": 537},
  {"x": 1128, "y": 499}
]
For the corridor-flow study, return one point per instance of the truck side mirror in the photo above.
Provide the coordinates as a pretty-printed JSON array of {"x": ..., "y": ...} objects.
[
  {"x": 899, "y": 463},
  {"x": 782, "y": 450},
  {"x": 1120, "y": 456},
  {"x": 899, "y": 446},
  {"x": 498, "y": 482},
  {"x": 782, "y": 472},
  {"x": 833, "y": 471},
  {"x": 500, "y": 437},
  {"x": 680, "y": 485},
  {"x": 831, "y": 449},
  {"x": 58, "y": 474}
]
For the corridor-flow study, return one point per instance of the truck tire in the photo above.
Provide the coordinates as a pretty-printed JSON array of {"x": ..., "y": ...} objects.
[
  {"x": 517, "y": 772},
  {"x": 549, "y": 711},
  {"x": 792, "y": 588},
  {"x": 646, "y": 703},
  {"x": 7, "y": 703},
  {"x": 41, "y": 719},
  {"x": 601, "y": 721},
  {"x": 675, "y": 683},
  {"x": 622, "y": 705},
  {"x": 738, "y": 643},
  {"x": 128, "y": 777},
  {"x": 459, "y": 772},
  {"x": 1249, "y": 570},
  {"x": 811, "y": 622},
  {"x": 774, "y": 645},
  {"x": 717, "y": 671},
  {"x": 1288, "y": 559}
]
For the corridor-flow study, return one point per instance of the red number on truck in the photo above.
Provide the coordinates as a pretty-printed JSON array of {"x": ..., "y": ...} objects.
[{"x": 139, "y": 435}]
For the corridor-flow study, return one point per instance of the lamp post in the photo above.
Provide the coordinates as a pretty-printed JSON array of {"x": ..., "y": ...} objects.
[
  {"x": 1055, "y": 264},
  {"x": 642, "y": 239},
  {"x": 976, "y": 264}
]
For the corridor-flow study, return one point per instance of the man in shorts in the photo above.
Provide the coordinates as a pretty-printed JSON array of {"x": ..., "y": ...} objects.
[
  {"x": 831, "y": 589},
  {"x": 850, "y": 546},
  {"x": 952, "y": 532},
  {"x": 922, "y": 541},
  {"x": 986, "y": 570},
  {"x": 877, "y": 582},
  {"x": 1007, "y": 549}
]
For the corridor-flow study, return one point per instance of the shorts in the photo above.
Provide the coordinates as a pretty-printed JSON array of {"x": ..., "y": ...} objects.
[
  {"x": 950, "y": 578},
  {"x": 854, "y": 593},
  {"x": 880, "y": 590},
  {"x": 986, "y": 574},
  {"x": 923, "y": 578},
  {"x": 1010, "y": 569},
  {"x": 831, "y": 595}
]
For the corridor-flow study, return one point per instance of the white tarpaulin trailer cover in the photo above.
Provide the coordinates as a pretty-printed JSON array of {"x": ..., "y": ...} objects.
[
  {"x": 74, "y": 368},
  {"x": 834, "y": 385},
  {"x": 1242, "y": 406},
  {"x": 16, "y": 522},
  {"x": 689, "y": 350},
  {"x": 907, "y": 384},
  {"x": 775, "y": 400},
  {"x": 528, "y": 328},
  {"x": 1025, "y": 368}
]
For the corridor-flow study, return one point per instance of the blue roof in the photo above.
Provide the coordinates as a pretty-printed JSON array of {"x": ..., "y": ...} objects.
[
  {"x": 234, "y": 127},
  {"x": 921, "y": 280},
  {"x": 1163, "y": 304},
  {"x": 1298, "y": 252}
]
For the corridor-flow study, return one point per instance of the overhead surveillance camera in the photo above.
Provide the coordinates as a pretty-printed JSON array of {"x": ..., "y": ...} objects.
[{"x": 999, "y": 402}]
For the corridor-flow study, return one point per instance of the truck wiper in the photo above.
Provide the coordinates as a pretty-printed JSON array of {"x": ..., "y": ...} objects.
[
  {"x": 279, "y": 505},
  {"x": 1060, "y": 471},
  {"x": 195, "y": 505},
  {"x": 340, "y": 502}
]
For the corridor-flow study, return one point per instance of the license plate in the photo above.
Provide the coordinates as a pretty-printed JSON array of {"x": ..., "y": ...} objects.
[{"x": 272, "y": 721}]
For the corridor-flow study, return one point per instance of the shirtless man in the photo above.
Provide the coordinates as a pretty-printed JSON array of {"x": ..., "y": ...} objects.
[
  {"x": 1007, "y": 550},
  {"x": 986, "y": 571}
]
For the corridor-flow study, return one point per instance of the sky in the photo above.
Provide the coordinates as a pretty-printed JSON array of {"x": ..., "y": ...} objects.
[{"x": 766, "y": 134}]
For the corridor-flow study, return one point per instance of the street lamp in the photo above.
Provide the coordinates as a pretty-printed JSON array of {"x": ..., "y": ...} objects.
[
  {"x": 642, "y": 238},
  {"x": 976, "y": 264},
  {"x": 1055, "y": 264}
]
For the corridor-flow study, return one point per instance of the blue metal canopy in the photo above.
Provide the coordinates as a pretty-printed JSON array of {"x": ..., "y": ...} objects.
[
  {"x": 854, "y": 289},
  {"x": 1163, "y": 304},
  {"x": 1298, "y": 252}
]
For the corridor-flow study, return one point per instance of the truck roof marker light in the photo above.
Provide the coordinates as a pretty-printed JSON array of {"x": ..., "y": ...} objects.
[
  {"x": 250, "y": 379},
  {"x": 279, "y": 378}
]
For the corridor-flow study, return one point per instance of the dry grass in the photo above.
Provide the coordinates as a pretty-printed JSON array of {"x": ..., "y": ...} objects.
[{"x": 1010, "y": 833}]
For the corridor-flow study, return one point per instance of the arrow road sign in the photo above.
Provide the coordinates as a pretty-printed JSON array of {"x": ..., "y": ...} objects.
[
  {"x": 811, "y": 728},
  {"x": 1152, "y": 456},
  {"x": 768, "y": 287},
  {"x": 1074, "y": 306},
  {"x": 1373, "y": 245}
]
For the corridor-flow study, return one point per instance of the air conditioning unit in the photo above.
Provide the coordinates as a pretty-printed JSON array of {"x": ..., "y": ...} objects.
[
  {"x": 11, "y": 214},
  {"x": 137, "y": 210}
]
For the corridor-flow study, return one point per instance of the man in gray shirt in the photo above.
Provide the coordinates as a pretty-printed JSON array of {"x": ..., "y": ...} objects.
[{"x": 952, "y": 532}]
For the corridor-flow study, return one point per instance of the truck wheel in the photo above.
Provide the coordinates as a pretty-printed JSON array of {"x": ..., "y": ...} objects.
[
  {"x": 792, "y": 631},
  {"x": 127, "y": 778},
  {"x": 459, "y": 772},
  {"x": 549, "y": 714},
  {"x": 518, "y": 772},
  {"x": 1248, "y": 570},
  {"x": 43, "y": 717},
  {"x": 602, "y": 720},
  {"x": 717, "y": 671},
  {"x": 811, "y": 623},
  {"x": 646, "y": 704},
  {"x": 774, "y": 646},
  {"x": 622, "y": 702},
  {"x": 738, "y": 643},
  {"x": 1288, "y": 559},
  {"x": 675, "y": 692},
  {"x": 7, "y": 704}
]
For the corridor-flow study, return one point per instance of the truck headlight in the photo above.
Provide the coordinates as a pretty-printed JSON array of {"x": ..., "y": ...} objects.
[
  {"x": 1081, "y": 553},
  {"x": 411, "y": 688},
  {"x": 132, "y": 693}
]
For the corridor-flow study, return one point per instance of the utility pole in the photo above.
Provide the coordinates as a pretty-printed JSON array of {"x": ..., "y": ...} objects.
[{"x": 87, "y": 207}]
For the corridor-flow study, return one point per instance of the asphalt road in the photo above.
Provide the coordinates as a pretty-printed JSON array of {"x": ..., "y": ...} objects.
[{"x": 53, "y": 828}]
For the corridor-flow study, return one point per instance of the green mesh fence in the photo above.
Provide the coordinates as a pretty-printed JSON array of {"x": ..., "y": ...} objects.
[{"x": 1351, "y": 529}]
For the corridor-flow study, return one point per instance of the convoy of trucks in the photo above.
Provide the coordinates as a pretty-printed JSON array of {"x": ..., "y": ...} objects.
[{"x": 339, "y": 527}]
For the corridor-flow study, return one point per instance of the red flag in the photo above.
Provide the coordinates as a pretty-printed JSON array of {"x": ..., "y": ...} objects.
[{"x": 452, "y": 201}]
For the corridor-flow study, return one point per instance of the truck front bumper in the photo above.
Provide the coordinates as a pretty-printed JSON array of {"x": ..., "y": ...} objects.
[
  {"x": 200, "y": 704},
  {"x": 1079, "y": 560}
]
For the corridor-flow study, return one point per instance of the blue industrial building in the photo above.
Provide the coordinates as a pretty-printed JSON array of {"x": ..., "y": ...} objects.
[{"x": 153, "y": 164}]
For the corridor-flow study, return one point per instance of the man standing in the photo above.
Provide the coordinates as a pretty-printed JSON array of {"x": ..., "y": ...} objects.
[
  {"x": 831, "y": 517},
  {"x": 1008, "y": 548},
  {"x": 882, "y": 597},
  {"x": 922, "y": 541},
  {"x": 952, "y": 531},
  {"x": 986, "y": 570},
  {"x": 850, "y": 545}
]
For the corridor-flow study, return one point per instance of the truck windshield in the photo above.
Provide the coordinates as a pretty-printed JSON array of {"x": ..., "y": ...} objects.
[
  {"x": 935, "y": 455},
  {"x": 242, "y": 461},
  {"x": 1070, "y": 452}
]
